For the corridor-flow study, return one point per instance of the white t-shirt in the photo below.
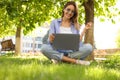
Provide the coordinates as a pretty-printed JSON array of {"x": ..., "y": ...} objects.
[{"x": 65, "y": 30}]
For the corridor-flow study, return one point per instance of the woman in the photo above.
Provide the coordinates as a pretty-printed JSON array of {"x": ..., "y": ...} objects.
[{"x": 67, "y": 24}]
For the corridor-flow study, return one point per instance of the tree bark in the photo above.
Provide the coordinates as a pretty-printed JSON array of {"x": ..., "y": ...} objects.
[
  {"x": 89, "y": 17},
  {"x": 18, "y": 41}
]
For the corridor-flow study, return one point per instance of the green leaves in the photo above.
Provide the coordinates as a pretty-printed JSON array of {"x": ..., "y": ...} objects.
[
  {"x": 27, "y": 13},
  {"x": 107, "y": 9}
]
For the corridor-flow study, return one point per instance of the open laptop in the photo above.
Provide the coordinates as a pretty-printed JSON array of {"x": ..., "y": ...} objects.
[{"x": 66, "y": 42}]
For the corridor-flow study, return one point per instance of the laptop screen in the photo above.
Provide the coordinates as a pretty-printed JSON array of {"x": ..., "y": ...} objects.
[{"x": 66, "y": 42}]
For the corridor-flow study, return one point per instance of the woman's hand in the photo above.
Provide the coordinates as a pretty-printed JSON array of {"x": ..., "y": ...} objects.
[
  {"x": 88, "y": 25},
  {"x": 51, "y": 38}
]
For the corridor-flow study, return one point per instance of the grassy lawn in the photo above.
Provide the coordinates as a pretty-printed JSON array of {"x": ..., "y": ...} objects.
[{"x": 40, "y": 68}]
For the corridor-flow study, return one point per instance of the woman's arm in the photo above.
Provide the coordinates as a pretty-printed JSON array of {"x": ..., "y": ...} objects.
[
  {"x": 51, "y": 38},
  {"x": 82, "y": 34},
  {"x": 87, "y": 26},
  {"x": 51, "y": 31}
]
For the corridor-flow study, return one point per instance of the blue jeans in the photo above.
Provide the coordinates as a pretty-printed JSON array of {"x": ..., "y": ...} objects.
[{"x": 49, "y": 52}]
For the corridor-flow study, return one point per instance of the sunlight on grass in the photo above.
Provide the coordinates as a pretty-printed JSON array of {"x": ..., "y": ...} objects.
[
  {"x": 40, "y": 68},
  {"x": 99, "y": 73}
]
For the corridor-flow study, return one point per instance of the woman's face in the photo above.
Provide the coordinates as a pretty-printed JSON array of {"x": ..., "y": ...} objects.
[{"x": 69, "y": 11}]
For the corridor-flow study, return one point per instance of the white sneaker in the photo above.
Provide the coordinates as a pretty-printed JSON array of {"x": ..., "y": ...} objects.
[
  {"x": 82, "y": 62},
  {"x": 54, "y": 61}
]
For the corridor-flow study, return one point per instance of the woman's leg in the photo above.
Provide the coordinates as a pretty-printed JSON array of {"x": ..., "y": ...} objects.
[
  {"x": 83, "y": 52},
  {"x": 48, "y": 51},
  {"x": 75, "y": 61},
  {"x": 52, "y": 54}
]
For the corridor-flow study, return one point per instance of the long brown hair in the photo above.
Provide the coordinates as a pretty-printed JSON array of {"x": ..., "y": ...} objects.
[{"x": 74, "y": 18}]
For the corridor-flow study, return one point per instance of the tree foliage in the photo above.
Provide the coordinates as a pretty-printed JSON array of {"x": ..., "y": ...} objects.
[
  {"x": 27, "y": 13},
  {"x": 105, "y": 9}
]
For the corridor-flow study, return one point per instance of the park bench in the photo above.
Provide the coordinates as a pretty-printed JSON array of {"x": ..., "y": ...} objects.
[{"x": 7, "y": 45}]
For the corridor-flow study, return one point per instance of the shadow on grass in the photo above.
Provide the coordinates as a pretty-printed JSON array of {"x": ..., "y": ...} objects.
[{"x": 23, "y": 61}]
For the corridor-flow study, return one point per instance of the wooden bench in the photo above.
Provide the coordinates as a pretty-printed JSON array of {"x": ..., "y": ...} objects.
[{"x": 7, "y": 45}]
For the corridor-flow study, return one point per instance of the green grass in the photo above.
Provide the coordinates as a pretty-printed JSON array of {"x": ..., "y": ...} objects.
[{"x": 40, "y": 68}]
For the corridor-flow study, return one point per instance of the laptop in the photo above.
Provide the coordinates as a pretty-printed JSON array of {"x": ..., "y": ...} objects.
[{"x": 66, "y": 42}]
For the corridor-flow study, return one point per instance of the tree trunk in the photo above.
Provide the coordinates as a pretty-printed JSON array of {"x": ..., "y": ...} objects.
[
  {"x": 18, "y": 41},
  {"x": 89, "y": 17}
]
